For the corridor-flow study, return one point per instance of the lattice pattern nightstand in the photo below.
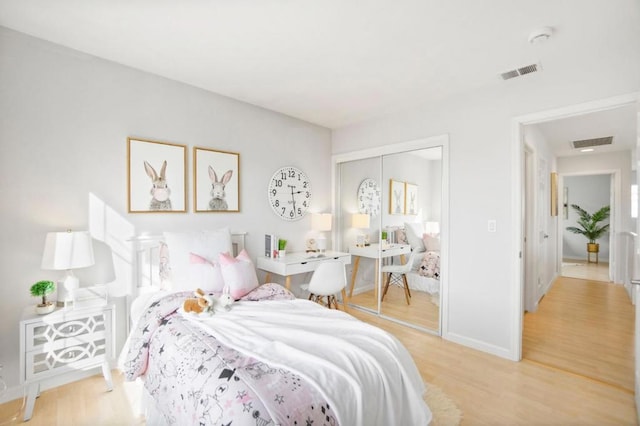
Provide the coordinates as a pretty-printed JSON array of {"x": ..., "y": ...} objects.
[{"x": 65, "y": 340}]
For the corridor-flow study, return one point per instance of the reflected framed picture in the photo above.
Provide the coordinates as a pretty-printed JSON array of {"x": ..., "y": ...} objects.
[
  {"x": 396, "y": 197},
  {"x": 216, "y": 181},
  {"x": 156, "y": 176},
  {"x": 554, "y": 194},
  {"x": 410, "y": 199}
]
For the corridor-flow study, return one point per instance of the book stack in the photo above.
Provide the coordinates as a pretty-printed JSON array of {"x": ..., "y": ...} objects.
[{"x": 270, "y": 245}]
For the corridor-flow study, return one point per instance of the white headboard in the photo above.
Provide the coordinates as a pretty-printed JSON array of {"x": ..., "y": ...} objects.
[{"x": 146, "y": 268}]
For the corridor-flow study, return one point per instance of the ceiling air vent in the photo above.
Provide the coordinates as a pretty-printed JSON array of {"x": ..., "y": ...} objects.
[
  {"x": 588, "y": 143},
  {"x": 527, "y": 69}
]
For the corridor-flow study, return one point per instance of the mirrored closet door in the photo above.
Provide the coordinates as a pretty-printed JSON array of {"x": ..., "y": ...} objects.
[{"x": 391, "y": 218}]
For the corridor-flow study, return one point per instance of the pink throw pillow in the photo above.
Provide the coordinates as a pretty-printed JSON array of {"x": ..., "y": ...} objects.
[
  {"x": 239, "y": 273},
  {"x": 204, "y": 274}
]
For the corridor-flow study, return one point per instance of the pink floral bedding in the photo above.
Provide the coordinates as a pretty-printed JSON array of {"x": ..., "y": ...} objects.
[
  {"x": 195, "y": 380},
  {"x": 430, "y": 265}
]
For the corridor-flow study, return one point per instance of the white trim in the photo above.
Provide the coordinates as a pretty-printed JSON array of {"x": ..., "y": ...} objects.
[{"x": 517, "y": 132}]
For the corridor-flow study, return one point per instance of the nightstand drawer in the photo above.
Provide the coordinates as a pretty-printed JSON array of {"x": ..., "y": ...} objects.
[
  {"x": 67, "y": 330},
  {"x": 41, "y": 364}
]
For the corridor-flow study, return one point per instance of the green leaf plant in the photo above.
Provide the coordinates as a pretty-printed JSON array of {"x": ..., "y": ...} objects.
[{"x": 589, "y": 224}]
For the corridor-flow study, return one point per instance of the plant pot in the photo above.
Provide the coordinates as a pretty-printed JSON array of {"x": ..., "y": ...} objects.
[
  {"x": 593, "y": 247},
  {"x": 45, "y": 309}
]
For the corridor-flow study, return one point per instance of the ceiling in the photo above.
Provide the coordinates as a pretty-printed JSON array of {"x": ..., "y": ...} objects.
[{"x": 340, "y": 62}]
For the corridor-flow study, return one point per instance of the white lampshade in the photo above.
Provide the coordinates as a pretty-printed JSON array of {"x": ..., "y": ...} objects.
[
  {"x": 67, "y": 251},
  {"x": 360, "y": 220},
  {"x": 321, "y": 222},
  {"x": 432, "y": 228}
]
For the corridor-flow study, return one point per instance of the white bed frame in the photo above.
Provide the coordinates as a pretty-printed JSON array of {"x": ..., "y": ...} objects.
[{"x": 146, "y": 265}]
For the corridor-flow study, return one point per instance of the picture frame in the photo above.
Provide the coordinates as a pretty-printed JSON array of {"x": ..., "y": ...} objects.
[
  {"x": 410, "y": 199},
  {"x": 216, "y": 181},
  {"x": 554, "y": 194},
  {"x": 396, "y": 197},
  {"x": 156, "y": 176}
]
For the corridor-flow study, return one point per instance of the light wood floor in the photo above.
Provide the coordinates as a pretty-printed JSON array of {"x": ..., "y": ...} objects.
[
  {"x": 489, "y": 390},
  {"x": 421, "y": 311},
  {"x": 586, "y": 271},
  {"x": 585, "y": 327}
]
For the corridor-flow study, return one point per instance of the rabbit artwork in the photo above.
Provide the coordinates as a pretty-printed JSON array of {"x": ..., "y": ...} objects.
[
  {"x": 412, "y": 204},
  {"x": 160, "y": 192},
  {"x": 398, "y": 199},
  {"x": 218, "y": 195}
]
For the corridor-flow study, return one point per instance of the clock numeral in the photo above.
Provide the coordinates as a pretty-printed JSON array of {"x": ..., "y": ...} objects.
[
  {"x": 277, "y": 203},
  {"x": 278, "y": 183}
]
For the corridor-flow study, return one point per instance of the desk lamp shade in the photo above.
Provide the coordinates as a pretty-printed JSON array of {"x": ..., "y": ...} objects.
[
  {"x": 67, "y": 251},
  {"x": 361, "y": 221},
  {"x": 321, "y": 222}
]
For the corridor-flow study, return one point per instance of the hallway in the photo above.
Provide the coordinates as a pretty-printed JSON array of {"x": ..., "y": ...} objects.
[{"x": 584, "y": 327}]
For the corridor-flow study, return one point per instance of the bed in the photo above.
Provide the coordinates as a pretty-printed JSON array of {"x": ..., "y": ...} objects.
[{"x": 269, "y": 359}]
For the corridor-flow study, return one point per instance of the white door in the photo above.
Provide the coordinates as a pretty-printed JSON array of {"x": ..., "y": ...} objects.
[{"x": 636, "y": 291}]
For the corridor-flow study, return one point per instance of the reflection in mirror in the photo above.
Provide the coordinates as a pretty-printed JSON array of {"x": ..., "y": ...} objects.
[
  {"x": 410, "y": 282},
  {"x": 401, "y": 194},
  {"x": 360, "y": 204}
]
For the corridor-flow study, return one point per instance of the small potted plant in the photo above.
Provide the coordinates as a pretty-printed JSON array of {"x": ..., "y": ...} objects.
[
  {"x": 282, "y": 246},
  {"x": 42, "y": 289},
  {"x": 589, "y": 226}
]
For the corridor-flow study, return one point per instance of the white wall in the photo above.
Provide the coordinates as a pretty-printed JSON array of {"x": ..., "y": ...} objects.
[
  {"x": 64, "y": 122},
  {"x": 479, "y": 124}
]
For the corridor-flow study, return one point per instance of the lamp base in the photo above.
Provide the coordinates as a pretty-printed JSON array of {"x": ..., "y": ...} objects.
[{"x": 66, "y": 289}]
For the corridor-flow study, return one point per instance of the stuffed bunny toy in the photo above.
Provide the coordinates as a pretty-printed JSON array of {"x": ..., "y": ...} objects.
[
  {"x": 225, "y": 300},
  {"x": 160, "y": 192},
  {"x": 202, "y": 303},
  {"x": 218, "y": 201}
]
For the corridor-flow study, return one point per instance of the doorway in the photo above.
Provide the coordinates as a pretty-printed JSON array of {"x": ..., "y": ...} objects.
[{"x": 590, "y": 192}]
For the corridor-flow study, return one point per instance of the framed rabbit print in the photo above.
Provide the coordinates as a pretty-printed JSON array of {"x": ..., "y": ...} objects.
[
  {"x": 156, "y": 176},
  {"x": 410, "y": 198},
  {"x": 396, "y": 197},
  {"x": 216, "y": 180}
]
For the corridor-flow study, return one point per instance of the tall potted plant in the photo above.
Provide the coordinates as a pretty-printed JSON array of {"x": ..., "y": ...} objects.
[{"x": 590, "y": 226}]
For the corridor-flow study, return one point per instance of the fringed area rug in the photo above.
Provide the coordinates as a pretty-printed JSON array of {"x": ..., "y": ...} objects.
[{"x": 444, "y": 410}]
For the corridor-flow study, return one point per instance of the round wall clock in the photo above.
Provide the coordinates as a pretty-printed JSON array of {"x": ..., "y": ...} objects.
[
  {"x": 289, "y": 193},
  {"x": 369, "y": 197}
]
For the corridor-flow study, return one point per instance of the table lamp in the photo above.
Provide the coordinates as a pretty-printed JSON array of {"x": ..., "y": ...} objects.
[
  {"x": 432, "y": 228},
  {"x": 67, "y": 251},
  {"x": 361, "y": 221},
  {"x": 321, "y": 222}
]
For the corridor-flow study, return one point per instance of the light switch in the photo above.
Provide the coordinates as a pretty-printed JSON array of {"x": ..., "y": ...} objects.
[{"x": 491, "y": 225}]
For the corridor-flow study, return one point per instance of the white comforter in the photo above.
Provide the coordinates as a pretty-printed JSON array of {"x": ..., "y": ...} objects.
[{"x": 365, "y": 372}]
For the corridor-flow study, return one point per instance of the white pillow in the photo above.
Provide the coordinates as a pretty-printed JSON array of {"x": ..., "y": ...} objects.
[
  {"x": 431, "y": 243},
  {"x": 414, "y": 233},
  {"x": 207, "y": 244},
  {"x": 239, "y": 274}
]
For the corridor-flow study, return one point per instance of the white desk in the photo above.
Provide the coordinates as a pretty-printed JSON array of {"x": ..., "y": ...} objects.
[
  {"x": 297, "y": 263},
  {"x": 373, "y": 251}
]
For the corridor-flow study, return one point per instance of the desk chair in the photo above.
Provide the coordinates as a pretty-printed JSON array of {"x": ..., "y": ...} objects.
[
  {"x": 402, "y": 270},
  {"x": 327, "y": 280}
]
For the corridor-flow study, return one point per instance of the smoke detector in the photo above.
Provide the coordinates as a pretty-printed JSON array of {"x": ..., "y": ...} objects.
[{"x": 540, "y": 35}]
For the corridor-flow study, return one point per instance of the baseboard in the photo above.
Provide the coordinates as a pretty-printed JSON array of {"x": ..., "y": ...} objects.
[{"x": 480, "y": 345}]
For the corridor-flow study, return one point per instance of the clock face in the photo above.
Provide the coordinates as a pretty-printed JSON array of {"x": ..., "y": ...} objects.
[
  {"x": 289, "y": 193},
  {"x": 369, "y": 197}
]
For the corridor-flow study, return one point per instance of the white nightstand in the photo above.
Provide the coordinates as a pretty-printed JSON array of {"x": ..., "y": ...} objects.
[{"x": 63, "y": 341}]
